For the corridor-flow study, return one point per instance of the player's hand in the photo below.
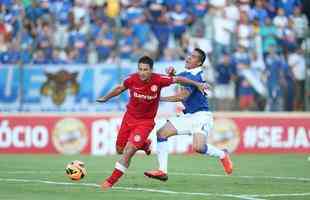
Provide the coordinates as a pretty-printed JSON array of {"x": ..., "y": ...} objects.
[
  {"x": 101, "y": 100},
  {"x": 204, "y": 88},
  {"x": 170, "y": 71}
]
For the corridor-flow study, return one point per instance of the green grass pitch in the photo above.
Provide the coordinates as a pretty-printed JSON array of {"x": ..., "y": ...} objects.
[{"x": 191, "y": 177}]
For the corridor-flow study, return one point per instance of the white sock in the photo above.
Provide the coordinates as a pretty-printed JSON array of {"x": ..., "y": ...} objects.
[
  {"x": 215, "y": 152},
  {"x": 162, "y": 154}
]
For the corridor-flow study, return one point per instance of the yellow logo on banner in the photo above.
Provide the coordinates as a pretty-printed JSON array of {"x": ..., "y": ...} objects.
[
  {"x": 69, "y": 136},
  {"x": 225, "y": 134}
]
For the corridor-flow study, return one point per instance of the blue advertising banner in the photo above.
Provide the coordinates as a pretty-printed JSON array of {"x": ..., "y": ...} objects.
[
  {"x": 65, "y": 88},
  {"x": 59, "y": 88}
]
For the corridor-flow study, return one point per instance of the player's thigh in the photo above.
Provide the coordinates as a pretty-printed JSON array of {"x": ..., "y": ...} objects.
[
  {"x": 166, "y": 130},
  {"x": 199, "y": 142},
  {"x": 139, "y": 135},
  {"x": 122, "y": 137},
  {"x": 189, "y": 124}
]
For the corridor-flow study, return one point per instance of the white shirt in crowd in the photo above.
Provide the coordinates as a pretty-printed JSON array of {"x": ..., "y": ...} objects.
[
  {"x": 232, "y": 12},
  {"x": 223, "y": 28},
  {"x": 298, "y": 64},
  {"x": 280, "y": 22},
  {"x": 300, "y": 25},
  {"x": 218, "y": 3},
  {"x": 245, "y": 33}
]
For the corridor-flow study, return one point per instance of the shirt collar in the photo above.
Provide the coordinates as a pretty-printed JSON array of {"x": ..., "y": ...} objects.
[{"x": 194, "y": 71}]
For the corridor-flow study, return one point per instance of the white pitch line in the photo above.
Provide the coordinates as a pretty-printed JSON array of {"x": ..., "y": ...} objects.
[
  {"x": 280, "y": 195},
  {"x": 242, "y": 197},
  {"x": 245, "y": 177},
  {"x": 177, "y": 174}
]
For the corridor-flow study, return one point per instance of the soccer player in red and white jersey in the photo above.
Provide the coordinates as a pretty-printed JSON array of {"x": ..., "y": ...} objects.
[{"x": 138, "y": 121}]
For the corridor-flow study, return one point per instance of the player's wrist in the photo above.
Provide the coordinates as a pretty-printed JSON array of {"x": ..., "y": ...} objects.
[{"x": 102, "y": 99}]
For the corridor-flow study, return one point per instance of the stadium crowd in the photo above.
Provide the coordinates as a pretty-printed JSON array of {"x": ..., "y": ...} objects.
[{"x": 255, "y": 47}]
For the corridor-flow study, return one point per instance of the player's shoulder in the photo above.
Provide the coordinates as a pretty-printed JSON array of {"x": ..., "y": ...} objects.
[
  {"x": 132, "y": 76},
  {"x": 196, "y": 73}
]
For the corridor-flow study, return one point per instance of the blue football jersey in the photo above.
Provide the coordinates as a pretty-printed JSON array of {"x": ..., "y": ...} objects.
[{"x": 196, "y": 101}]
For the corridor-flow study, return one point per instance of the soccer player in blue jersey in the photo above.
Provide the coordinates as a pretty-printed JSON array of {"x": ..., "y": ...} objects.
[{"x": 197, "y": 120}]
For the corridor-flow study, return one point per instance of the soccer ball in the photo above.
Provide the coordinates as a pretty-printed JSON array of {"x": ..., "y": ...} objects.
[{"x": 76, "y": 170}]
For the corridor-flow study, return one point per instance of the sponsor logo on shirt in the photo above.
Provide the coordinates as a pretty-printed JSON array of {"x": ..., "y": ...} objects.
[{"x": 142, "y": 96}]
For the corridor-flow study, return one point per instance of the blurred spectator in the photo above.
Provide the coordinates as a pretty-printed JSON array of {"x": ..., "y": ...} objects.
[
  {"x": 232, "y": 11},
  {"x": 270, "y": 6},
  {"x": 78, "y": 40},
  {"x": 244, "y": 32},
  {"x": 12, "y": 54},
  {"x": 39, "y": 58},
  {"x": 244, "y": 5},
  {"x": 281, "y": 22},
  {"x": 288, "y": 88},
  {"x": 274, "y": 72},
  {"x": 225, "y": 86},
  {"x": 105, "y": 41},
  {"x": 297, "y": 63},
  {"x": 288, "y": 5},
  {"x": 223, "y": 28},
  {"x": 112, "y": 8},
  {"x": 58, "y": 57},
  {"x": 268, "y": 33},
  {"x": 256, "y": 75},
  {"x": 289, "y": 37},
  {"x": 35, "y": 11},
  {"x": 257, "y": 65},
  {"x": 300, "y": 24},
  {"x": 141, "y": 29},
  {"x": 80, "y": 11},
  {"x": 127, "y": 43},
  {"x": 44, "y": 39},
  {"x": 161, "y": 30},
  {"x": 198, "y": 8},
  {"x": 179, "y": 20},
  {"x": 257, "y": 39},
  {"x": 3, "y": 47},
  {"x": 242, "y": 58},
  {"x": 246, "y": 94},
  {"x": 259, "y": 12}
]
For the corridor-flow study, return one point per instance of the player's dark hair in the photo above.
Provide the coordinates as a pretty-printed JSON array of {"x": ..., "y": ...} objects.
[
  {"x": 202, "y": 55},
  {"x": 146, "y": 60}
]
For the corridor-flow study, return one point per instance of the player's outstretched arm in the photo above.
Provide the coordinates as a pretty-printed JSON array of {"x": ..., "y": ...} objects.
[
  {"x": 182, "y": 80},
  {"x": 115, "y": 92},
  {"x": 180, "y": 96}
]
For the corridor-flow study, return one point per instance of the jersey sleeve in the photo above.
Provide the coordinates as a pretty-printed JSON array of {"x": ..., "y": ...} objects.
[
  {"x": 128, "y": 82},
  {"x": 190, "y": 88},
  {"x": 165, "y": 80}
]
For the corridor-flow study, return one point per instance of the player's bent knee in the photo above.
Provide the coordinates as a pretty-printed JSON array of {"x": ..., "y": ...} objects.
[
  {"x": 119, "y": 150},
  {"x": 200, "y": 149},
  {"x": 199, "y": 143},
  {"x": 167, "y": 131},
  {"x": 161, "y": 134}
]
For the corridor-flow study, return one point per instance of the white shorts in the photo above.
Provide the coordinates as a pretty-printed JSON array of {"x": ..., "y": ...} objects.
[{"x": 188, "y": 124}]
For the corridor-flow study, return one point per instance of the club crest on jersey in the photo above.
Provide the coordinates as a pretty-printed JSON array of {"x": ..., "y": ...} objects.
[
  {"x": 154, "y": 88},
  {"x": 137, "y": 138}
]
